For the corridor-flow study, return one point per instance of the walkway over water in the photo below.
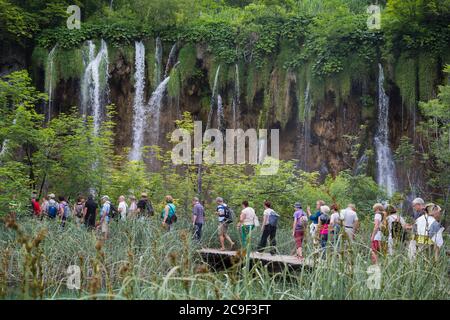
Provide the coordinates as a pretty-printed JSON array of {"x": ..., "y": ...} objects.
[{"x": 225, "y": 259}]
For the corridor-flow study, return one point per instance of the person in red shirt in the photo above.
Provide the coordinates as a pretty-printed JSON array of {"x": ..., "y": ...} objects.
[{"x": 36, "y": 207}]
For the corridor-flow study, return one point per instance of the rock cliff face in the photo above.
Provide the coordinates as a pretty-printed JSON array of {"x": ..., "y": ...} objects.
[{"x": 341, "y": 126}]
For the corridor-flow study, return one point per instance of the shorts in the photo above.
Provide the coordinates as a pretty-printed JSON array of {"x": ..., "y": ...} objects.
[
  {"x": 105, "y": 226},
  {"x": 223, "y": 228},
  {"x": 298, "y": 236},
  {"x": 376, "y": 246}
]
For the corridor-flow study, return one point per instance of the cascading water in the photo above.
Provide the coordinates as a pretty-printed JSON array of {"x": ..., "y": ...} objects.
[
  {"x": 213, "y": 98},
  {"x": 155, "y": 110},
  {"x": 220, "y": 116},
  {"x": 95, "y": 84},
  {"x": 139, "y": 118},
  {"x": 306, "y": 125},
  {"x": 158, "y": 61},
  {"x": 170, "y": 60},
  {"x": 236, "y": 98},
  {"x": 49, "y": 79},
  {"x": 385, "y": 165}
]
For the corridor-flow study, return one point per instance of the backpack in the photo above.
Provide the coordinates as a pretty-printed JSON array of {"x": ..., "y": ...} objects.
[
  {"x": 79, "y": 210},
  {"x": 397, "y": 230},
  {"x": 67, "y": 211},
  {"x": 113, "y": 212},
  {"x": 149, "y": 208},
  {"x": 273, "y": 218},
  {"x": 228, "y": 214},
  {"x": 301, "y": 222},
  {"x": 52, "y": 209}
]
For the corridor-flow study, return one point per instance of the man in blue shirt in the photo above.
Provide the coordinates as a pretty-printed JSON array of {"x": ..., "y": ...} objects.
[
  {"x": 315, "y": 220},
  {"x": 223, "y": 224},
  {"x": 104, "y": 216}
]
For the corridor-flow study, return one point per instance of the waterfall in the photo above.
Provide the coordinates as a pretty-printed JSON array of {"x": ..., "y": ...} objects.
[
  {"x": 213, "y": 96},
  {"x": 158, "y": 61},
  {"x": 170, "y": 60},
  {"x": 139, "y": 118},
  {"x": 5, "y": 144},
  {"x": 385, "y": 164},
  {"x": 220, "y": 116},
  {"x": 94, "y": 87},
  {"x": 236, "y": 101},
  {"x": 49, "y": 79},
  {"x": 155, "y": 110},
  {"x": 306, "y": 125}
]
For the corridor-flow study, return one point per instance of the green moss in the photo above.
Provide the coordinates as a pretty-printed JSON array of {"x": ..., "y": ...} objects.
[
  {"x": 257, "y": 79},
  {"x": 39, "y": 57},
  {"x": 188, "y": 59},
  {"x": 427, "y": 76},
  {"x": 174, "y": 85},
  {"x": 150, "y": 63},
  {"x": 405, "y": 78},
  {"x": 69, "y": 63}
]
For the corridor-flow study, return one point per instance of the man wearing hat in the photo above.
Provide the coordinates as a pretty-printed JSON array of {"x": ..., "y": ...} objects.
[
  {"x": 144, "y": 206},
  {"x": 298, "y": 228},
  {"x": 104, "y": 216}
]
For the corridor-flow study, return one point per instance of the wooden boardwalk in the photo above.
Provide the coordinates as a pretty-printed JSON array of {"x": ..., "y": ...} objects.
[{"x": 225, "y": 259}]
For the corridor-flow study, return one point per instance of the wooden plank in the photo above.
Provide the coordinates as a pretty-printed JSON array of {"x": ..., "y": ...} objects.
[{"x": 264, "y": 257}]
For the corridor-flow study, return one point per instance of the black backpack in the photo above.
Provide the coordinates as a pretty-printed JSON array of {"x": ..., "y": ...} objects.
[
  {"x": 228, "y": 214},
  {"x": 397, "y": 230},
  {"x": 113, "y": 212},
  {"x": 149, "y": 208}
]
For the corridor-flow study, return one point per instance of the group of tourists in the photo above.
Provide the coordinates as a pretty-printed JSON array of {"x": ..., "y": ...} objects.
[{"x": 327, "y": 227}]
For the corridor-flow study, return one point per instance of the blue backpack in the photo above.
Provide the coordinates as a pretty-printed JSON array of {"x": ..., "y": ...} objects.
[
  {"x": 273, "y": 218},
  {"x": 52, "y": 210}
]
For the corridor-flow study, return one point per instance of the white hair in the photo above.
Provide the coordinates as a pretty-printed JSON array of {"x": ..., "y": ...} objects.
[
  {"x": 418, "y": 201},
  {"x": 325, "y": 209}
]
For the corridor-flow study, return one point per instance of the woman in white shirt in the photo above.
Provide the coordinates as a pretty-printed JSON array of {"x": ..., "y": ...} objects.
[
  {"x": 247, "y": 222},
  {"x": 122, "y": 208}
]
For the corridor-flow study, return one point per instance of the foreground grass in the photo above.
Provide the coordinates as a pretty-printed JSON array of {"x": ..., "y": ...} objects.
[{"x": 143, "y": 261}]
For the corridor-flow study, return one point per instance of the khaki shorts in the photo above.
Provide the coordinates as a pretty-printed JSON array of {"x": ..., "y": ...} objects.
[
  {"x": 105, "y": 226},
  {"x": 223, "y": 228}
]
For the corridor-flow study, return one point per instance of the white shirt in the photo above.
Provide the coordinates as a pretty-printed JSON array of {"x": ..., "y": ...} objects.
[
  {"x": 350, "y": 217},
  {"x": 423, "y": 225},
  {"x": 334, "y": 218},
  {"x": 122, "y": 209},
  {"x": 267, "y": 213},
  {"x": 391, "y": 219},
  {"x": 378, "y": 235},
  {"x": 249, "y": 216}
]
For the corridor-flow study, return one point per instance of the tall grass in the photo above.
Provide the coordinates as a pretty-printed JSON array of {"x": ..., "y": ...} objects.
[{"x": 143, "y": 261}]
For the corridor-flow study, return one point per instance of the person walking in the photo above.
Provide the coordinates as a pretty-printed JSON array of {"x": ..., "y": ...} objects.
[
  {"x": 64, "y": 210},
  {"x": 350, "y": 222},
  {"x": 78, "y": 210},
  {"x": 198, "y": 218},
  {"x": 335, "y": 224},
  {"x": 436, "y": 229},
  {"x": 223, "y": 215},
  {"x": 269, "y": 228},
  {"x": 299, "y": 228},
  {"x": 247, "y": 222},
  {"x": 169, "y": 213},
  {"x": 104, "y": 217},
  {"x": 90, "y": 212},
  {"x": 314, "y": 218},
  {"x": 53, "y": 207},
  {"x": 144, "y": 207},
  {"x": 397, "y": 227},
  {"x": 426, "y": 227},
  {"x": 122, "y": 208},
  {"x": 376, "y": 236},
  {"x": 418, "y": 208},
  {"x": 322, "y": 228},
  {"x": 37, "y": 210},
  {"x": 132, "y": 211},
  {"x": 44, "y": 206}
]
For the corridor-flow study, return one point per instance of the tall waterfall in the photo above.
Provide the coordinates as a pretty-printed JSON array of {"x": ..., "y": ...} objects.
[
  {"x": 220, "y": 115},
  {"x": 213, "y": 98},
  {"x": 158, "y": 61},
  {"x": 306, "y": 126},
  {"x": 49, "y": 82},
  {"x": 170, "y": 60},
  {"x": 385, "y": 165},
  {"x": 155, "y": 110},
  {"x": 94, "y": 86},
  {"x": 139, "y": 118},
  {"x": 236, "y": 98}
]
